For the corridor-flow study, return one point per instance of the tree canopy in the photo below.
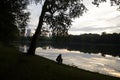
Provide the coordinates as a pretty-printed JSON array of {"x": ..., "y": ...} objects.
[
  {"x": 12, "y": 17},
  {"x": 60, "y": 13}
]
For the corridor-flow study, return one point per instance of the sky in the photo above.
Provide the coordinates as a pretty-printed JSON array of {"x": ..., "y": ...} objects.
[{"x": 104, "y": 18}]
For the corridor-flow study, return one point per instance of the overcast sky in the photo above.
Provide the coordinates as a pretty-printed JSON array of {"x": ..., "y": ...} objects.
[{"x": 97, "y": 20}]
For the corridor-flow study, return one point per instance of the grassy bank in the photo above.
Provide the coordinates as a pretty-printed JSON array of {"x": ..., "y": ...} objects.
[{"x": 17, "y": 66}]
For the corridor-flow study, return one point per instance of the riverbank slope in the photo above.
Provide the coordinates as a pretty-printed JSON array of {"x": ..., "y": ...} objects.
[{"x": 17, "y": 66}]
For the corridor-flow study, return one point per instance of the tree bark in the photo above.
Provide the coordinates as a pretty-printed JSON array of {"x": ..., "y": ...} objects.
[{"x": 32, "y": 46}]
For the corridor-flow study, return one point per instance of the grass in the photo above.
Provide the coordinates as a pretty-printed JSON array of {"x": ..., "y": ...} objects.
[{"x": 17, "y": 66}]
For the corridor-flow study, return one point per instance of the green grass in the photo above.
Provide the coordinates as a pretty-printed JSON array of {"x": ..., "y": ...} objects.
[{"x": 17, "y": 66}]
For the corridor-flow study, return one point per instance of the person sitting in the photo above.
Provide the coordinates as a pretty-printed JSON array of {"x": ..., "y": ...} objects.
[{"x": 59, "y": 59}]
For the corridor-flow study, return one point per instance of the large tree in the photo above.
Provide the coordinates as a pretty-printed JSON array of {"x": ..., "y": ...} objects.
[
  {"x": 58, "y": 14},
  {"x": 12, "y": 17}
]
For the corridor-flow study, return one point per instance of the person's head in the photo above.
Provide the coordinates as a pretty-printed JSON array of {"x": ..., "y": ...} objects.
[{"x": 60, "y": 54}]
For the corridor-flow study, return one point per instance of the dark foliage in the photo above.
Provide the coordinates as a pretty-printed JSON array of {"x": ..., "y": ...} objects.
[{"x": 12, "y": 18}]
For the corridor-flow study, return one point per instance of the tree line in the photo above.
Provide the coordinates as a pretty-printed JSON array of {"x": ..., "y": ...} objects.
[{"x": 104, "y": 38}]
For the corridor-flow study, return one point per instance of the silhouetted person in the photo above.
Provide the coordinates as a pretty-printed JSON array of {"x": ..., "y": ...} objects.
[{"x": 59, "y": 59}]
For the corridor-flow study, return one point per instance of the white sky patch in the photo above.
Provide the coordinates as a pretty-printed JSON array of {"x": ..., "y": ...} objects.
[
  {"x": 104, "y": 18},
  {"x": 35, "y": 10}
]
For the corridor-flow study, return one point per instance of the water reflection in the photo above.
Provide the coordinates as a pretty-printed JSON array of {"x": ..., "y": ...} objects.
[
  {"x": 113, "y": 50},
  {"x": 105, "y": 61},
  {"x": 92, "y": 62}
]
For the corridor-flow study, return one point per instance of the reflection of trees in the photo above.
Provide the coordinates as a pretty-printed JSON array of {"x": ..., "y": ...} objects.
[
  {"x": 113, "y": 50},
  {"x": 90, "y": 43},
  {"x": 104, "y": 49}
]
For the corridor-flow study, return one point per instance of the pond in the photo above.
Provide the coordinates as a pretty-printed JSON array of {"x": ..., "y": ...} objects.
[{"x": 104, "y": 64}]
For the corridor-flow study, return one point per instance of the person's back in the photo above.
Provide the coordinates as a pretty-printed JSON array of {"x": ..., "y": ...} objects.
[{"x": 59, "y": 59}]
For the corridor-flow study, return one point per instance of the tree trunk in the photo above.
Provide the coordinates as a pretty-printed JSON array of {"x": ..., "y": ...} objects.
[{"x": 32, "y": 47}]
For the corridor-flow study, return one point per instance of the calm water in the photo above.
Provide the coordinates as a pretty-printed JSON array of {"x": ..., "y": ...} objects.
[{"x": 106, "y": 64}]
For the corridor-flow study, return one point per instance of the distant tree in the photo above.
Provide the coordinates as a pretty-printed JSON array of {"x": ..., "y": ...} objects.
[
  {"x": 58, "y": 14},
  {"x": 12, "y": 17},
  {"x": 113, "y": 2}
]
